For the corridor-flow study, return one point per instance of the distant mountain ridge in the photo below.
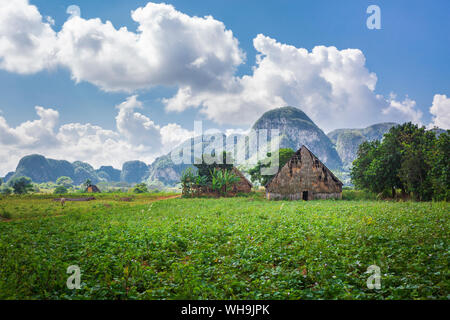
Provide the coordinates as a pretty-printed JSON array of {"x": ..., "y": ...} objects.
[
  {"x": 347, "y": 141},
  {"x": 336, "y": 150}
]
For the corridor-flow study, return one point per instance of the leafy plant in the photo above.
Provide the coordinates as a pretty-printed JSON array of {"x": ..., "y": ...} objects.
[
  {"x": 21, "y": 185},
  {"x": 200, "y": 183},
  {"x": 223, "y": 180},
  {"x": 140, "y": 188},
  {"x": 187, "y": 180},
  {"x": 60, "y": 190}
]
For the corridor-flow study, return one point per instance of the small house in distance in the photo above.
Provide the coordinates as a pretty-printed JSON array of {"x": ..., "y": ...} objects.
[
  {"x": 92, "y": 189},
  {"x": 304, "y": 177}
]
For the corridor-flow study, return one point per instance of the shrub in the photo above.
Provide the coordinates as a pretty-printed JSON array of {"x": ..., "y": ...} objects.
[
  {"x": 140, "y": 188},
  {"x": 6, "y": 191},
  {"x": 21, "y": 185},
  {"x": 60, "y": 190}
]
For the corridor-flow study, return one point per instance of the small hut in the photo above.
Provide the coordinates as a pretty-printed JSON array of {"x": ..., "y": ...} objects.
[
  {"x": 92, "y": 189},
  {"x": 243, "y": 185},
  {"x": 304, "y": 177}
]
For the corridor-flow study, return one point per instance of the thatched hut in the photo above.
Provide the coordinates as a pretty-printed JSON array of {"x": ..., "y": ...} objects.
[
  {"x": 243, "y": 185},
  {"x": 92, "y": 189},
  {"x": 304, "y": 177}
]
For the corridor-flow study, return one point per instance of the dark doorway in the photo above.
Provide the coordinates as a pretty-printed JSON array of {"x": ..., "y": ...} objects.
[{"x": 305, "y": 195}]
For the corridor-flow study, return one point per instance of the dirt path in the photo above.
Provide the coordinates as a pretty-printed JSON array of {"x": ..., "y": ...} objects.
[{"x": 61, "y": 215}]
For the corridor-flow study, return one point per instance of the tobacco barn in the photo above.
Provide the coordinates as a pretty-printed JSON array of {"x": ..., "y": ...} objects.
[
  {"x": 304, "y": 177},
  {"x": 243, "y": 185}
]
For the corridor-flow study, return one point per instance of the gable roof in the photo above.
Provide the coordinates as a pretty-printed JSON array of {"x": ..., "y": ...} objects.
[
  {"x": 241, "y": 175},
  {"x": 296, "y": 155}
]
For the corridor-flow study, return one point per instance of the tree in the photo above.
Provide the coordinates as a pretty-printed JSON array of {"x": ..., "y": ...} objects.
[
  {"x": 64, "y": 181},
  {"x": 140, "y": 188},
  {"x": 285, "y": 154},
  {"x": 6, "y": 191},
  {"x": 60, "y": 190},
  {"x": 21, "y": 185},
  {"x": 88, "y": 183},
  {"x": 415, "y": 171},
  {"x": 439, "y": 161},
  {"x": 223, "y": 180},
  {"x": 409, "y": 158},
  {"x": 360, "y": 169}
]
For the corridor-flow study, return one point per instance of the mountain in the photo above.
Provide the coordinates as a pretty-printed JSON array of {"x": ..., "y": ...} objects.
[
  {"x": 109, "y": 173},
  {"x": 41, "y": 169},
  {"x": 347, "y": 141},
  {"x": 134, "y": 171},
  {"x": 297, "y": 129},
  {"x": 164, "y": 170}
]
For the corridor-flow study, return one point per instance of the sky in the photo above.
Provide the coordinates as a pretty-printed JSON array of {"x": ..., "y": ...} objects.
[{"x": 111, "y": 81}]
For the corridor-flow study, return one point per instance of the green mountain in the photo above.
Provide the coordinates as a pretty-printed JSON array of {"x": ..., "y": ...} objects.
[
  {"x": 134, "y": 171},
  {"x": 347, "y": 141},
  {"x": 164, "y": 170},
  {"x": 41, "y": 169},
  {"x": 297, "y": 129}
]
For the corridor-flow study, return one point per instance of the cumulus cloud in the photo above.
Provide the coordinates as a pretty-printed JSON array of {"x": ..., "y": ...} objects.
[
  {"x": 326, "y": 83},
  {"x": 135, "y": 137},
  {"x": 402, "y": 111},
  {"x": 169, "y": 48},
  {"x": 440, "y": 109},
  {"x": 199, "y": 56},
  {"x": 136, "y": 127},
  {"x": 27, "y": 43}
]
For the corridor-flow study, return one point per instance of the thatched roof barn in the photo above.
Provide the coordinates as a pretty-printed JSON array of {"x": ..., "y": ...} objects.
[
  {"x": 243, "y": 185},
  {"x": 92, "y": 189},
  {"x": 304, "y": 177}
]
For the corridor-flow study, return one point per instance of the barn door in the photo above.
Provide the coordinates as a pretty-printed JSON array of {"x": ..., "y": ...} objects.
[{"x": 305, "y": 195}]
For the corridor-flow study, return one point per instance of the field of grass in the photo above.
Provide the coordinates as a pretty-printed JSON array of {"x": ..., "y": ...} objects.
[{"x": 232, "y": 248}]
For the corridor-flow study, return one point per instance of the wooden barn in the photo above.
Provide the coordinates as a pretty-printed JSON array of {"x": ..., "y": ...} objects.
[
  {"x": 92, "y": 189},
  {"x": 243, "y": 185},
  {"x": 304, "y": 177}
]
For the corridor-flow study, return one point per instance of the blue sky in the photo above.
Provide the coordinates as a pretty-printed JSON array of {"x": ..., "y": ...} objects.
[{"x": 409, "y": 55}]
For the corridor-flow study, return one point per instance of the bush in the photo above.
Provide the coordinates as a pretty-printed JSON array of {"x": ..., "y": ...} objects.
[
  {"x": 60, "y": 190},
  {"x": 140, "y": 188},
  {"x": 6, "y": 191},
  {"x": 5, "y": 214},
  {"x": 21, "y": 185}
]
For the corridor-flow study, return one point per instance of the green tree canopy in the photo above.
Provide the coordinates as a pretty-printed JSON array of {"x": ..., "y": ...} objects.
[
  {"x": 21, "y": 185},
  {"x": 64, "y": 181},
  {"x": 140, "y": 188},
  {"x": 285, "y": 154},
  {"x": 60, "y": 190},
  {"x": 409, "y": 158}
]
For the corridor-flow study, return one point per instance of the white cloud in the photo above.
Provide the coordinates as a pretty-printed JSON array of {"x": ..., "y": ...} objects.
[
  {"x": 136, "y": 127},
  {"x": 135, "y": 137},
  {"x": 199, "y": 56},
  {"x": 170, "y": 48},
  {"x": 326, "y": 83},
  {"x": 403, "y": 111},
  {"x": 440, "y": 109},
  {"x": 27, "y": 44}
]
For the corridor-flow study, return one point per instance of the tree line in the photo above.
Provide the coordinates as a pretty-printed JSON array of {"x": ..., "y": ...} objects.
[{"x": 409, "y": 161}]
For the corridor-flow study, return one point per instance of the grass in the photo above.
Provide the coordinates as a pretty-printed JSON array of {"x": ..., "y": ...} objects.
[{"x": 231, "y": 248}]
